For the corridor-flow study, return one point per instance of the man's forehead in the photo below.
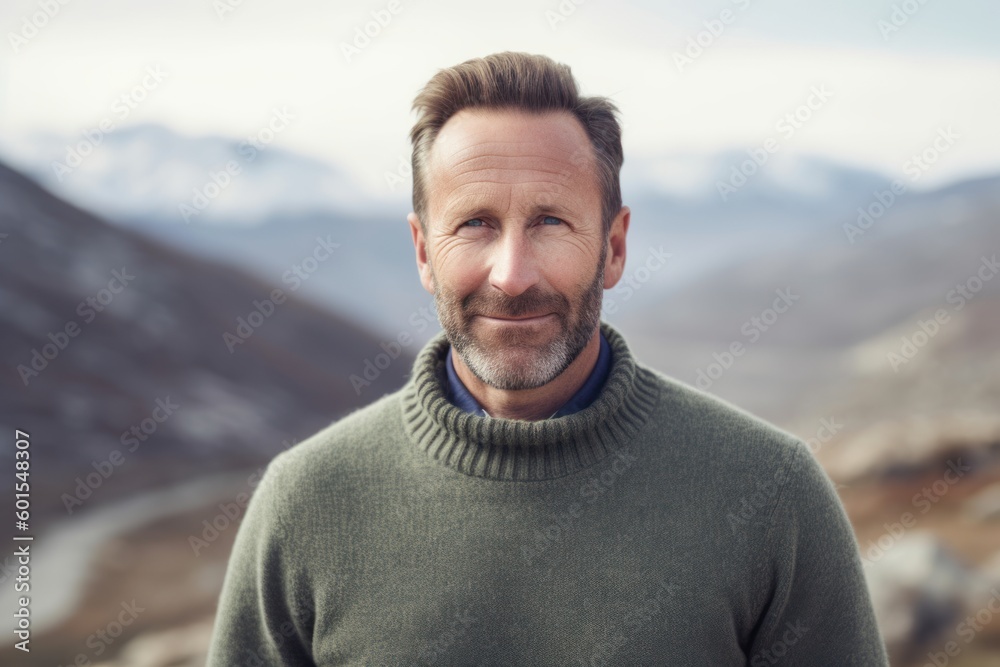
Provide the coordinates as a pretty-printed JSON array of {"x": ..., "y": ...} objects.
[{"x": 557, "y": 139}]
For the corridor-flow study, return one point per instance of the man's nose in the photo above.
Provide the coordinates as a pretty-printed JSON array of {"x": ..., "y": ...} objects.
[{"x": 514, "y": 263}]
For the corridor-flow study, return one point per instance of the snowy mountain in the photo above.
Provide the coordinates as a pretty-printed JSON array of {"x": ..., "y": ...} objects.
[{"x": 148, "y": 173}]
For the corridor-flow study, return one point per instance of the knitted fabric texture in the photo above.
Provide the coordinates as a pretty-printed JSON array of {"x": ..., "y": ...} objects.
[{"x": 657, "y": 526}]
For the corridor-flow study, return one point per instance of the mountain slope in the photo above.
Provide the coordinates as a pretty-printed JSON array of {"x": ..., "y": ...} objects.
[{"x": 114, "y": 343}]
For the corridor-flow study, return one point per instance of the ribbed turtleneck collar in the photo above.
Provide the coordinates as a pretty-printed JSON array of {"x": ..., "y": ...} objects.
[{"x": 515, "y": 449}]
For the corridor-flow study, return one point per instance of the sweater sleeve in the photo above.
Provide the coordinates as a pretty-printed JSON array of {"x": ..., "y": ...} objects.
[
  {"x": 261, "y": 621},
  {"x": 819, "y": 611}
]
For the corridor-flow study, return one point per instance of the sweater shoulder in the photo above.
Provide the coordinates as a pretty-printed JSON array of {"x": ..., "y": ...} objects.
[
  {"x": 359, "y": 439},
  {"x": 714, "y": 428},
  {"x": 742, "y": 466}
]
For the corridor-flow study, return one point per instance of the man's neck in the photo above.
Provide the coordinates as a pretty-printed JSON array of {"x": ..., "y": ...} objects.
[{"x": 531, "y": 404}]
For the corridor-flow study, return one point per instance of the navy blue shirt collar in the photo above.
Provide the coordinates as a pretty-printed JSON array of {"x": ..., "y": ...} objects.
[{"x": 585, "y": 395}]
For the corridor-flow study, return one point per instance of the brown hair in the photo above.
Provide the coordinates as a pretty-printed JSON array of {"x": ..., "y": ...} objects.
[{"x": 523, "y": 81}]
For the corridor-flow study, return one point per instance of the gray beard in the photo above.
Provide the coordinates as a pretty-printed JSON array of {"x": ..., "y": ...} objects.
[{"x": 511, "y": 361}]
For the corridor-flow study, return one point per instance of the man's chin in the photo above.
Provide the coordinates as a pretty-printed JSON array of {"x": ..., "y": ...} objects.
[
  {"x": 516, "y": 362},
  {"x": 506, "y": 353}
]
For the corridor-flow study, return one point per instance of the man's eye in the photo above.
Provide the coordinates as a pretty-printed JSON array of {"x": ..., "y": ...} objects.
[
  {"x": 475, "y": 222},
  {"x": 551, "y": 220}
]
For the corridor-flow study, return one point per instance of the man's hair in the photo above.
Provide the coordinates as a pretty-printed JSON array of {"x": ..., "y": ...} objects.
[{"x": 516, "y": 81}]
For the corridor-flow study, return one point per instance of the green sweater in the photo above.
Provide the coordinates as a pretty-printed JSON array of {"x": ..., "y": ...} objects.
[{"x": 658, "y": 526}]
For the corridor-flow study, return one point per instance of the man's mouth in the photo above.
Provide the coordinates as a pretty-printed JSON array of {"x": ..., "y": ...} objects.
[{"x": 521, "y": 319}]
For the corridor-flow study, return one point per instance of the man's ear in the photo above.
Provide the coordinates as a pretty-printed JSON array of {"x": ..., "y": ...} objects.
[
  {"x": 614, "y": 265},
  {"x": 420, "y": 247}
]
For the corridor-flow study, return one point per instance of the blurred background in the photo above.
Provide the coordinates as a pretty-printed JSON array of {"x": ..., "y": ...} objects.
[{"x": 204, "y": 259}]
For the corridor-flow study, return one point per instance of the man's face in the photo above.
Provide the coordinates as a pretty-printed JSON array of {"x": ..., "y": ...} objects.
[{"x": 515, "y": 249}]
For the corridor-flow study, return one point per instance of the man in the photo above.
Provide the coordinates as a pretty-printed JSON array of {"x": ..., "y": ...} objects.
[{"x": 534, "y": 495}]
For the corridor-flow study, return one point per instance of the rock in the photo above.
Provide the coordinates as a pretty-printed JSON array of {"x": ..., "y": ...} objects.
[{"x": 920, "y": 591}]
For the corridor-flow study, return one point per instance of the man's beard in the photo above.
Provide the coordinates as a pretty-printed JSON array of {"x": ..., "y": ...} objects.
[{"x": 509, "y": 359}]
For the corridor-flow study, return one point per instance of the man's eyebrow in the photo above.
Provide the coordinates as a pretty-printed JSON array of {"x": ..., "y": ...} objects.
[{"x": 552, "y": 207}]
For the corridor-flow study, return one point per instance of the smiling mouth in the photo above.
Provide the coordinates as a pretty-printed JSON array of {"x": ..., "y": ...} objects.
[{"x": 517, "y": 320}]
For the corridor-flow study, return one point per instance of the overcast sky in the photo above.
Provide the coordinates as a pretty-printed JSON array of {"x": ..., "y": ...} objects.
[{"x": 893, "y": 79}]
